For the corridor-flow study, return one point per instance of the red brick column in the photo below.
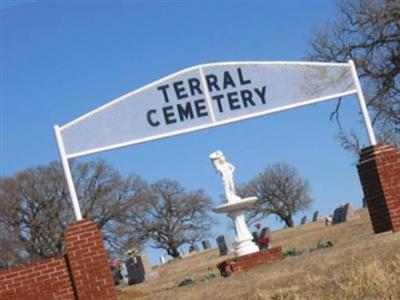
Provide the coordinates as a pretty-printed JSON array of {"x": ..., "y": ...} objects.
[
  {"x": 88, "y": 262},
  {"x": 379, "y": 172}
]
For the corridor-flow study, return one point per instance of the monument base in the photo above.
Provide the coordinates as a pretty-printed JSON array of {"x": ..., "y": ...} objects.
[
  {"x": 249, "y": 261},
  {"x": 245, "y": 247}
]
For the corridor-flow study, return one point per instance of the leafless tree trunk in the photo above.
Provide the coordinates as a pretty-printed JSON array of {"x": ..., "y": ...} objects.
[
  {"x": 280, "y": 191},
  {"x": 35, "y": 209},
  {"x": 368, "y": 32},
  {"x": 173, "y": 217}
]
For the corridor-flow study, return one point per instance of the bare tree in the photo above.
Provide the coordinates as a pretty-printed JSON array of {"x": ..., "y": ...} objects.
[
  {"x": 368, "y": 32},
  {"x": 35, "y": 209},
  {"x": 173, "y": 217},
  {"x": 280, "y": 191},
  {"x": 105, "y": 197}
]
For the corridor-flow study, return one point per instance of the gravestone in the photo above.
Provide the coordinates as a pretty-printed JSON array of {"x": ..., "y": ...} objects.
[
  {"x": 194, "y": 247},
  {"x": 206, "y": 244},
  {"x": 139, "y": 269},
  {"x": 223, "y": 245},
  {"x": 337, "y": 215},
  {"x": 162, "y": 260},
  {"x": 315, "y": 216},
  {"x": 303, "y": 220},
  {"x": 348, "y": 212},
  {"x": 342, "y": 214},
  {"x": 364, "y": 202},
  {"x": 265, "y": 232}
]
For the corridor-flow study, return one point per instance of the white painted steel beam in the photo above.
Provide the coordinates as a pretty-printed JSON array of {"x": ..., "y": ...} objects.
[{"x": 67, "y": 173}]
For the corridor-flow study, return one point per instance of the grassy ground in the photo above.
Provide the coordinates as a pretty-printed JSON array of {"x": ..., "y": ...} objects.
[{"x": 360, "y": 265}]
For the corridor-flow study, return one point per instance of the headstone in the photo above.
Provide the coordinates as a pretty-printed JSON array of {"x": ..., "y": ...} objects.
[
  {"x": 342, "y": 214},
  {"x": 223, "y": 244},
  {"x": 257, "y": 233},
  {"x": 206, "y": 244},
  {"x": 162, "y": 260},
  {"x": 139, "y": 269},
  {"x": 265, "y": 232},
  {"x": 337, "y": 215},
  {"x": 194, "y": 247},
  {"x": 124, "y": 273},
  {"x": 348, "y": 212},
  {"x": 303, "y": 220},
  {"x": 315, "y": 216}
]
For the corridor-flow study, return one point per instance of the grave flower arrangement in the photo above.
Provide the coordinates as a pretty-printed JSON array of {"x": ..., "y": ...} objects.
[
  {"x": 116, "y": 270},
  {"x": 263, "y": 243},
  {"x": 260, "y": 239}
]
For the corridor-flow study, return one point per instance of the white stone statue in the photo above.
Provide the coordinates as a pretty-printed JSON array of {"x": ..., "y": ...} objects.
[
  {"x": 226, "y": 171},
  {"x": 235, "y": 206}
]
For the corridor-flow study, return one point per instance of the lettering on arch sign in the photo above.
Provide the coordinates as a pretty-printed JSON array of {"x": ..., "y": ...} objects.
[
  {"x": 205, "y": 96},
  {"x": 202, "y": 97}
]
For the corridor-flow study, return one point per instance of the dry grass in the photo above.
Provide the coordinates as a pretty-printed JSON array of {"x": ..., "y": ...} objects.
[{"x": 360, "y": 265}]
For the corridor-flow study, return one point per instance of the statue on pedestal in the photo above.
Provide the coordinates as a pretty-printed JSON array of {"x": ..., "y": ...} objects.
[
  {"x": 235, "y": 206},
  {"x": 226, "y": 171}
]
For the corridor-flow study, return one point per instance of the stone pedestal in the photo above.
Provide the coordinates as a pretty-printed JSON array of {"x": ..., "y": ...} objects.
[
  {"x": 379, "y": 172},
  {"x": 244, "y": 240}
]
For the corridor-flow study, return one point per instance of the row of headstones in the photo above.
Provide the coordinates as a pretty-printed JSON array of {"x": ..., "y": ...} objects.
[
  {"x": 206, "y": 245},
  {"x": 224, "y": 244},
  {"x": 341, "y": 214},
  {"x": 314, "y": 218},
  {"x": 193, "y": 248},
  {"x": 136, "y": 269}
]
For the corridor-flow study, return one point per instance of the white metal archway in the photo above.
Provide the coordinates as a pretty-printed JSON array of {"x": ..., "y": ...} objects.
[{"x": 202, "y": 97}]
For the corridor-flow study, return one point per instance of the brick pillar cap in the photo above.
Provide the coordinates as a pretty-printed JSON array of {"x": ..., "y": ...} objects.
[
  {"x": 380, "y": 146},
  {"x": 371, "y": 151},
  {"x": 79, "y": 225}
]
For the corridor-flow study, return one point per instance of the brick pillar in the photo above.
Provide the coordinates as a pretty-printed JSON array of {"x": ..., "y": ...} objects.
[
  {"x": 88, "y": 262},
  {"x": 379, "y": 172}
]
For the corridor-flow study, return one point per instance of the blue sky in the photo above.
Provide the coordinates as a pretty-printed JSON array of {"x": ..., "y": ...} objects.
[{"x": 61, "y": 59}]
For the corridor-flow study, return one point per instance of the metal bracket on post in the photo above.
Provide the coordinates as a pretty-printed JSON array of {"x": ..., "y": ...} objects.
[
  {"x": 67, "y": 173},
  {"x": 363, "y": 106}
]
